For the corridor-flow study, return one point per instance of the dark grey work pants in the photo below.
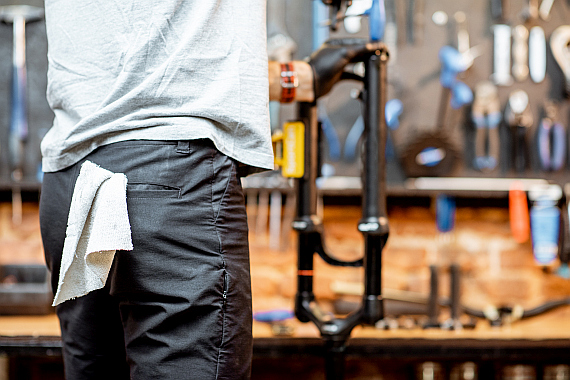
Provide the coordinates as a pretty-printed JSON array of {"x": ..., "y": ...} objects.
[{"x": 179, "y": 305}]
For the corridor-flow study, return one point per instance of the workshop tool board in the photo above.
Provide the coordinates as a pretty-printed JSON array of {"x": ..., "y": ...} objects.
[
  {"x": 413, "y": 78},
  {"x": 413, "y": 74}
]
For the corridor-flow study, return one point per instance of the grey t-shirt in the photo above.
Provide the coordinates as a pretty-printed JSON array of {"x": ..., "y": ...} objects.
[{"x": 157, "y": 70}]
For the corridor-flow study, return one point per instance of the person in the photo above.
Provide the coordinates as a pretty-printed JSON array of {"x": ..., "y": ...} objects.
[{"x": 172, "y": 95}]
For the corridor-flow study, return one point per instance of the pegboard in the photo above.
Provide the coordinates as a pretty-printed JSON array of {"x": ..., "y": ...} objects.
[
  {"x": 413, "y": 78},
  {"x": 413, "y": 73}
]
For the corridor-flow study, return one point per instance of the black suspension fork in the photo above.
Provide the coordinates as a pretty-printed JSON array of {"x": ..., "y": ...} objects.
[{"x": 373, "y": 223}]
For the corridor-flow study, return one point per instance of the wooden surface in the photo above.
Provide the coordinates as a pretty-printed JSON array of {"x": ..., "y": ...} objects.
[
  {"x": 552, "y": 325},
  {"x": 22, "y": 244}
]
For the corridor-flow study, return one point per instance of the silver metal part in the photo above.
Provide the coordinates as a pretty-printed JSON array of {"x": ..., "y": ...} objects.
[
  {"x": 520, "y": 53},
  {"x": 537, "y": 54},
  {"x": 502, "y": 55}
]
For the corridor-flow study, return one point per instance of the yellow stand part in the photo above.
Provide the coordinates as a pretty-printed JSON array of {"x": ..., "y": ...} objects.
[{"x": 289, "y": 149}]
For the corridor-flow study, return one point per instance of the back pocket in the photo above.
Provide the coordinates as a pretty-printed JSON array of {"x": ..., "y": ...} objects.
[{"x": 149, "y": 190}]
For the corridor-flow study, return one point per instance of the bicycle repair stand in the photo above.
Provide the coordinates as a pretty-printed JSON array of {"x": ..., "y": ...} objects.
[{"x": 373, "y": 224}]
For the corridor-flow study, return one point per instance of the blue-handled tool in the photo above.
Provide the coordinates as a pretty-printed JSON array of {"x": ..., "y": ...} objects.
[
  {"x": 551, "y": 139},
  {"x": 377, "y": 20},
  {"x": 18, "y": 16},
  {"x": 445, "y": 213},
  {"x": 393, "y": 110}
]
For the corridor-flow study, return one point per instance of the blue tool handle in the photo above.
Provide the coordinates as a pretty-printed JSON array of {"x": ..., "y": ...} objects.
[
  {"x": 452, "y": 63},
  {"x": 331, "y": 137},
  {"x": 558, "y": 146},
  {"x": 544, "y": 144},
  {"x": 461, "y": 95},
  {"x": 394, "y": 108},
  {"x": 445, "y": 213},
  {"x": 377, "y": 20},
  {"x": 273, "y": 315},
  {"x": 19, "y": 118}
]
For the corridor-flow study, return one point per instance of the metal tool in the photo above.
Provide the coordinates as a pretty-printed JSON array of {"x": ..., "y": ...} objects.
[
  {"x": 18, "y": 16},
  {"x": 502, "y": 55},
  {"x": 559, "y": 41},
  {"x": 545, "y": 8},
  {"x": 486, "y": 115},
  {"x": 551, "y": 139},
  {"x": 537, "y": 54},
  {"x": 416, "y": 22},
  {"x": 520, "y": 53},
  {"x": 519, "y": 117},
  {"x": 500, "y": 10}
]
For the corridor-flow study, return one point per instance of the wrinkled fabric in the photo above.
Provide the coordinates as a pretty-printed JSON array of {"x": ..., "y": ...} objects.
[
  {"x": 157, "y": 70},
  {"x": 97, "y": 226}
]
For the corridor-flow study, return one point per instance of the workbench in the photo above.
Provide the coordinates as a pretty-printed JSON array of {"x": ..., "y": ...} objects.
[{"x": 538, "y": 341}]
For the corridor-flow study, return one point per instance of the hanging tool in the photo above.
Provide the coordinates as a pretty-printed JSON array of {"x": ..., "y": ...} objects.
[
  {"x": 545, "y": 8},
  {"x": 502, "y": 55},
  {"x": 433, "y": 153},
  {"x": 18, "y": 15},
  {"x": 551, "y": 139},
  {"x": 519, "y": 117},
  {"x": 559, "y": 42},
  {"x": 415, "y": 22},
  {"x": 530, "y": 13},
  {"x": 486, "y": 115},
  {"x": 520, "y": 53},
  {"x": 537, "y": 54},
  {"x": 394, "y": 108},
  {"x": 500, "y": 10}
]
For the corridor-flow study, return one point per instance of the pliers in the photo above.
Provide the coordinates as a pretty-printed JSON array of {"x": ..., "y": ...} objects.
[
  {"x": 551, "y": 139},
  {"x": 486, "y": 115}
]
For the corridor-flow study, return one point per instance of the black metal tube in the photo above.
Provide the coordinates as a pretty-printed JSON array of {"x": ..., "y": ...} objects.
[
  {"x": 306, "y": 189},
  {"x": 374, "y": 224},
  {"x": 455, "y": 291},
  {"x": 433, "y": 311},
  {"x": 373, "y": 308},
  {"x": 306, "y": 208},
  {"x": 335, "y": 360},
  {"x": 373, "y": 140}
]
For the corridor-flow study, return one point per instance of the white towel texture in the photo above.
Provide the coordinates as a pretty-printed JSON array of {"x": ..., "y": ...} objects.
[{"x": 97, "y": 226}]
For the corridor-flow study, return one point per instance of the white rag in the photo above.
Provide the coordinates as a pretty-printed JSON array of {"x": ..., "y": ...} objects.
[{"x": 97, "y": 226}]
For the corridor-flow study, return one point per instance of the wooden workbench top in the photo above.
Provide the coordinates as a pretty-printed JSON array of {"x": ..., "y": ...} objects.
[{"x": 552, "y": 325}]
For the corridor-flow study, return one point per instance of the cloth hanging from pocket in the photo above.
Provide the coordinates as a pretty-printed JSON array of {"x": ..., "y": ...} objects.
[{"x": 97, "y": 226}]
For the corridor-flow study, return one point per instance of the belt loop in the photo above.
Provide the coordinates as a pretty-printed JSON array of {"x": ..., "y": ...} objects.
[{"x": 183, "y": 147}]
